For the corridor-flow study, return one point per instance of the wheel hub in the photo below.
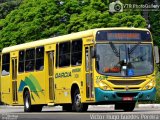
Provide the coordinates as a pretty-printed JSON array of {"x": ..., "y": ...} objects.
[
  {"x": 78, "y": 100},
  {"x": 27, "y": 102}
]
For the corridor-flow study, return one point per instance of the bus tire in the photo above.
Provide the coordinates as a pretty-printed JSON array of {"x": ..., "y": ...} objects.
[
  {"x": 28, "y": 107},
  {"x": 27, "y": 102},
  {"x": 127, "y": 107},
  {"x": 76, "y": 103}
]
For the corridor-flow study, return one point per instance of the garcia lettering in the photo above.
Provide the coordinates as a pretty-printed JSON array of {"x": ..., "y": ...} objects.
[{"x": 63, "y": 75}]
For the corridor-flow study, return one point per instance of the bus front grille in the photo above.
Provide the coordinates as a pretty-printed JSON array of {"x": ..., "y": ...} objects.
[
  {"x": 127, "y": 94},
  {"x": 126, "y": 82},
  {"x": 120, "y": 88}
]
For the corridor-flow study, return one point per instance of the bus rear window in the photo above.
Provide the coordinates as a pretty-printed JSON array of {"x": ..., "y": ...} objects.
[{"x": 123, "y": 35}]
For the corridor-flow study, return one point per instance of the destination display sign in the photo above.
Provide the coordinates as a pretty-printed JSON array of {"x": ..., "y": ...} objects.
[{"x": 123, "y": 35}]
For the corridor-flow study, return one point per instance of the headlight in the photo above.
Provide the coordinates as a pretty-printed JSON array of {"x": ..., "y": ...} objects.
[
  {"x": 104, "y": 86},
  {"x": 149, "y": 85}
]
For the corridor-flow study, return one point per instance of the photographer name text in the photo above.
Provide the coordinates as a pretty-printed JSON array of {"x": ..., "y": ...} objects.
[{"x": 125, "y": 117}]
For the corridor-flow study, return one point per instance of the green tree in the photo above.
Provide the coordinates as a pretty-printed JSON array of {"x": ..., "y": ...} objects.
[
  {"x": 154, "y": 18},
  {"x": 6, "y": 6},
  {"x": 133, "y": 1},
  {"x": 38, "y": 19}
]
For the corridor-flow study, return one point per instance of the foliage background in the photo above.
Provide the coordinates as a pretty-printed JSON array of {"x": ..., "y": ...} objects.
[{"x": 38, "y": 19}]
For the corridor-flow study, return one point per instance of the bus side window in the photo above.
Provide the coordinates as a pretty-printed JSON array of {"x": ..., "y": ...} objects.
[
  {"x": 57, "y": 57},
  {"x": 30, "y": 60},
  {"x": 5, "y": 64},
  {"x": 21, "y": 61},
  {"x": 76, "y": 52},
  {"x": 64, "y": 54},
  {"x": 39, "y": 58}
]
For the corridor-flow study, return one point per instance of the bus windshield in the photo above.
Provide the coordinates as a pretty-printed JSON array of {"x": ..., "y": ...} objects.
[{"x": 124, "y": 59}]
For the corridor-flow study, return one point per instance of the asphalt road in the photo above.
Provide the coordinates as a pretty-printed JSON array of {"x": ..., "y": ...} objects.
[{"x": 93, "y": 113}]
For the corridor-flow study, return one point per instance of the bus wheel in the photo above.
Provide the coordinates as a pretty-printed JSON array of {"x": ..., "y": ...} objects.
[
  {"x": 128, "y": 107},
  {"x": 77, "y": 105},
  {"x": 27, "y": 102}
]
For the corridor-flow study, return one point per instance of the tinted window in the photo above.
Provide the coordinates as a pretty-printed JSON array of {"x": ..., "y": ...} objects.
[
  {"x": 39, "y": 58},
  {"x": 76, "y": 52},
  {"x": 30, "y": 60},
  {"x": 21, "y": 61},
  {"x": 64, "y": 54},
  {"x": 5, "y": 64},
  {"x": 57, "y": 59},
  {"x": 137, "y": 63}
]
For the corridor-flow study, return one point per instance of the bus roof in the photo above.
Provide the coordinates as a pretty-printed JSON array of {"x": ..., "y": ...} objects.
[{"x": 62, "y": 38}]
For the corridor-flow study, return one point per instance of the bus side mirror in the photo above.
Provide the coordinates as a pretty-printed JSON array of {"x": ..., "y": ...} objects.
[{"x": 156, "y": 53}]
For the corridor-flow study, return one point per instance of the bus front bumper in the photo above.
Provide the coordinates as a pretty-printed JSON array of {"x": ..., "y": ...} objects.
[{"x": 117, "y": 96}]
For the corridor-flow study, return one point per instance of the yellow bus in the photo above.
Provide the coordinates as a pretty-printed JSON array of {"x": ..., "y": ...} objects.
[{"x": 97, "y": 66}]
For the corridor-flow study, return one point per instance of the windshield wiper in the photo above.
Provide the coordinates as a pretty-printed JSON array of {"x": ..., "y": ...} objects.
[
  {"x": 133, "y": 48},
  {"x": 139, "y": 58},
  {"x": 114, "y": 49}
]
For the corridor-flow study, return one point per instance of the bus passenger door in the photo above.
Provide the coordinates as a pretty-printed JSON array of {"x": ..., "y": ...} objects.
[
  {"x": 51, "y": 75},
  {"x": 0, "y": 79},
  {"x": 89, "y": 72},
  {"x": 14, "y": 81}
]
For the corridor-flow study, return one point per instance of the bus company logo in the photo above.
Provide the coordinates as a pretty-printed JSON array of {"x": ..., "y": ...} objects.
[
  {"x": 33, "y": 84},
  {"x": 63, "y": 75},
  {"x": 116, "y": 6},
  {"x": 127, "y": 88}
]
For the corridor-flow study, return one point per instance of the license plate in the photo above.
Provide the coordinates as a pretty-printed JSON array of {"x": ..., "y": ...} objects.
[{"x": 127, "y": 98}]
